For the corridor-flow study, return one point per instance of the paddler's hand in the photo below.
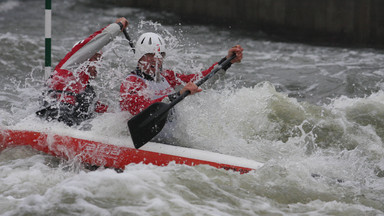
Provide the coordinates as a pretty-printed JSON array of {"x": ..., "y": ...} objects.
[
  {"x": 192, "y": 87},
  {"x": 238, "y": 50},
  {"x": 123, "y": 21}
]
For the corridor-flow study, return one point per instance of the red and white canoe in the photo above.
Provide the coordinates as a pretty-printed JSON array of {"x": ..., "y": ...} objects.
[{"x": 113, "y": 154}]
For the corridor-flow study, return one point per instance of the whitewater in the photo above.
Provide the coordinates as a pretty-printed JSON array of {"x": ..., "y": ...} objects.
[{"x": 314, "y": 115}]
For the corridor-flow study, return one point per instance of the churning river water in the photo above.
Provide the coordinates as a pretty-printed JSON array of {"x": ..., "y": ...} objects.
[{"x": 313, "y": 115}]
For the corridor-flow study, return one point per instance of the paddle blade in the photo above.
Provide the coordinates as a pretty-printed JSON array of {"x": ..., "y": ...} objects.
[{"x": 147, "y": 124}]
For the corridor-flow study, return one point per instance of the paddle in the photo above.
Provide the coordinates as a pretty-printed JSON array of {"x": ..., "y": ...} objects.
[
  {"x": 129, "y": 39},
  {"x": 148, "y": 123}
]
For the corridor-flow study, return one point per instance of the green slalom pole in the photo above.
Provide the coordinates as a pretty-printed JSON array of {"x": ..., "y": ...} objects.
[{"x": 48, "y": 30}]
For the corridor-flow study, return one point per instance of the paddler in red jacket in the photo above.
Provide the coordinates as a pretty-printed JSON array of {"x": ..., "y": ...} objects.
[
  {"x": 70, "y": 98},
  {"x": 149, "y": 83}
]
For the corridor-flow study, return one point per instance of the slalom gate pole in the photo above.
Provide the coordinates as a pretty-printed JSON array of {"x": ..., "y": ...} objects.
[{"x": 48, "y": 30}]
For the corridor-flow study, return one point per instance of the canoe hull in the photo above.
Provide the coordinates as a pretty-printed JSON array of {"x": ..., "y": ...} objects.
[{"x": 105, "y": 154}]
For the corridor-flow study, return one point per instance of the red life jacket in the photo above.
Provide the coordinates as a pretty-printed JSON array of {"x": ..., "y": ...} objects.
[{"x": 137, "y": 93}]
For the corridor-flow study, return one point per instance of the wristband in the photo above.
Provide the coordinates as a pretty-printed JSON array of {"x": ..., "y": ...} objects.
[{"x": 121, "y": 25}]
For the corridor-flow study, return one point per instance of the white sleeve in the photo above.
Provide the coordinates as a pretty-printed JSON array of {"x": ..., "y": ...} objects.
[{"x": 93, "y": 46}]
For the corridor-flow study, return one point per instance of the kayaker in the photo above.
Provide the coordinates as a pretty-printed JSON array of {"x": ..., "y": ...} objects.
[
  {"x": 149, "y": 83},
  {"x": 69, "y": 97}
]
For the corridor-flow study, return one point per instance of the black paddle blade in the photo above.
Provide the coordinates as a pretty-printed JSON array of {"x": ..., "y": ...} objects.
[{"x": 147, "y": 124}]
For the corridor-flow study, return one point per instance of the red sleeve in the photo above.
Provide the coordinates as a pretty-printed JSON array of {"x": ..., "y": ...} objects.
[
  {"x": 132, "y": 96},
  {"x": 175, "y": 79}
]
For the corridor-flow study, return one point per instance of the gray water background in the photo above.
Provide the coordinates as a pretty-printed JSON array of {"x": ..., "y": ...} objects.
[{"x": 313, "y": 114}]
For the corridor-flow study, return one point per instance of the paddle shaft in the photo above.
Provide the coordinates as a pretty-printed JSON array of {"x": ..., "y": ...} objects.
[
  {"x": 129, "y": 39},
  {"x": 203, "y": 80}
]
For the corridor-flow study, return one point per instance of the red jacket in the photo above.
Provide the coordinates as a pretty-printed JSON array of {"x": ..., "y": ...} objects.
[{"x": 136, "y": 93}]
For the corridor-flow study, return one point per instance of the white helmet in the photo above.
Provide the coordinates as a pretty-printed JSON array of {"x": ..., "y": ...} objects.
[{"x": 149, "y": 43}]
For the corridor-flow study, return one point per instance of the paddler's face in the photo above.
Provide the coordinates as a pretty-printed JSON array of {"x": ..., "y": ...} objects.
[{"x": 151, "y": 64}]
